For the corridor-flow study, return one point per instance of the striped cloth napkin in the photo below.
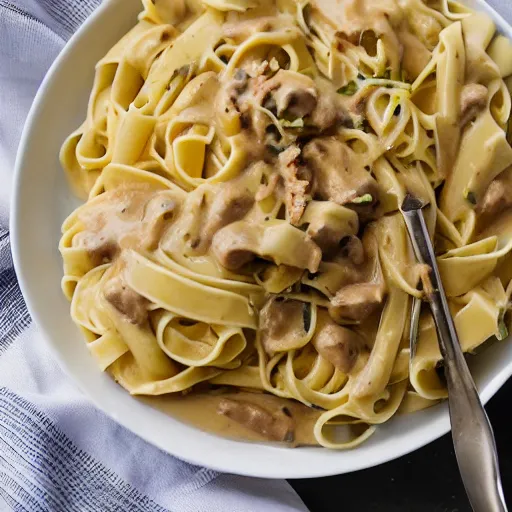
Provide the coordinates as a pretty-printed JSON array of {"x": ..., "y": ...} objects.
[{"x": 57, "y": 452}]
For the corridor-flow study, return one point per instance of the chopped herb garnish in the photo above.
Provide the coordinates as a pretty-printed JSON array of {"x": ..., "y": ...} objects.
[
  {"x": 349, "y": 90},
  {"x": 363, "y": 125},
  {"x": 364, "y": 199},
  {"x": 502, "y": 330},
  {"x": 296, "y": 123},
  {"x": 359, "y": 124}
]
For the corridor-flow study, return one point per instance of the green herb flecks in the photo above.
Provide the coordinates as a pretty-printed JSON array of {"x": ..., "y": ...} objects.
[
  {"x": 349, "y": 90},
  {"x": 502, "y": 327},
  {"x": 364, "y": 199},
  {"x": 296, "y": 123}
]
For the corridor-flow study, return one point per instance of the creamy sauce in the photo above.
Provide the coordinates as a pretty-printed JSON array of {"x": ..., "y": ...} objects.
[
  {"x": 269, "y": 252},
  {"x": 200, "y": 410}
]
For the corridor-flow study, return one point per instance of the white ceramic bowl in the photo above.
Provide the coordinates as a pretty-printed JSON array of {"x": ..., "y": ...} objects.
[{"x": 41, "y": 202}]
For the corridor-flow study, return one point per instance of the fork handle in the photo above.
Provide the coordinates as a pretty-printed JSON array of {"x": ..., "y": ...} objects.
[{"x": 472, "y": 434}]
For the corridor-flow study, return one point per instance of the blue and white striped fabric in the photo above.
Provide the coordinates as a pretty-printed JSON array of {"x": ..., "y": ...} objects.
[{"x": 57, "y": 452}]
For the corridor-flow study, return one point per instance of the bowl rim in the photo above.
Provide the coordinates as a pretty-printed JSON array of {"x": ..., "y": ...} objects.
[{"x": 438, "y": 426}]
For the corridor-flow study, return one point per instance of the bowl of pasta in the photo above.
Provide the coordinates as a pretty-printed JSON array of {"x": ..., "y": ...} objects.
[{"x": 212, "y": 188}]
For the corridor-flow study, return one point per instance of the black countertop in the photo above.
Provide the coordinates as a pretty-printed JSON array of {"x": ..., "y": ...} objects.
[{"x": 424, "y": 481}]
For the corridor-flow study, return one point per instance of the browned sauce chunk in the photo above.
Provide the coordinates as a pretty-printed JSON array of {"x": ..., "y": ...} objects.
[
  {"x": 240, "y": 242},
  {"x": 498, "y": 196},
  {"x": 126, "y": 300},
  {"x": 282, "y": 324},
  {"x": 231, "y": 202},
  {"x": 357, "y": 301},
  {"x": 273, "y": 427},
  {"x": 336, "y": 178},
  {"x": 473, "y": 99},
  {"x": 235, "y": 245},
  {"x": 339, "y": 345},
  {"x": 293, "y": 93}
]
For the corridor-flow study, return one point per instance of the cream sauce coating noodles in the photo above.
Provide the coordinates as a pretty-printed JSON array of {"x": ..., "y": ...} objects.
[{"x": 241, "y": 247}]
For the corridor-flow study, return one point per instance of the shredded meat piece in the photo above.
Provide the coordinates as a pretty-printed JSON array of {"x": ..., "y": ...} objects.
[
  {"x": 296, "y": 189},
  {"x": 281, "y": 324},
  {"x": 253, "y": 122},
  {"x": 244, "y": 103},
  {"x": 126, "y": 300},
  {"x": 357, "y": 301},
  {"x": 290, "y": 95},
  {"x": 256, "y": 68},
  {"x": 497, "y": 198},
  {"x": 275, "y": 427},
  {"x": 339, "y": 345},
  {"x": 473, "y": 99},
  {"x": 335, "y": 176}
]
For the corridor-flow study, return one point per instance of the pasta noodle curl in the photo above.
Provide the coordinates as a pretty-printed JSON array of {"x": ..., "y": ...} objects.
[{"x": 241, "y": 247}]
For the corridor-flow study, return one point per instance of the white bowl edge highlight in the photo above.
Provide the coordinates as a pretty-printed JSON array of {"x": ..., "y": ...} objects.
[{"x": 41, "y": 193}]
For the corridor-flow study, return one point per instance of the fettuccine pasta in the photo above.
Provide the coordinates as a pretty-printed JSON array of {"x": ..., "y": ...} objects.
[{"x": 241, "y": 246}]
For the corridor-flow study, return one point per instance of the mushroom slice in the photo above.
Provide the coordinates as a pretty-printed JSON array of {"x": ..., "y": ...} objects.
[{"x": 273, "y": 427}]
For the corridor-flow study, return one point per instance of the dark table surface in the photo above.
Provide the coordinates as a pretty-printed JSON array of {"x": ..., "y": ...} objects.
[{"x": 424, "y": 481}]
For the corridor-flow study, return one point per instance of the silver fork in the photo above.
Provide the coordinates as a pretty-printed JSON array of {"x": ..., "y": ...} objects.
[{"x": 472, "y": 433}]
